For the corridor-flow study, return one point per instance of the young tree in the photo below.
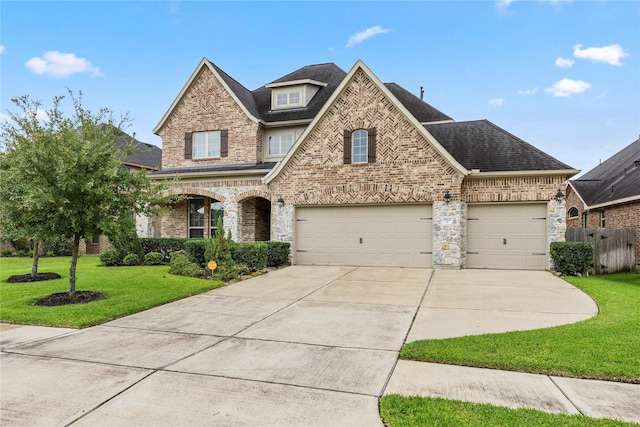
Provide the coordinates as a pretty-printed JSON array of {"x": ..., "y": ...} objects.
[{"x": 71, "y": 174}]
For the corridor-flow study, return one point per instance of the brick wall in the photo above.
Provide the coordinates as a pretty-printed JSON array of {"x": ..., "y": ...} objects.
[
  {"x": 206, "y": 105},
  {"x": 407, "y": 167},
  {"x": 520, "y": 189}
]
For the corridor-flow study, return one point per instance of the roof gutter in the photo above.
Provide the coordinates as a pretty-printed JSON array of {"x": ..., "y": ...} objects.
[
  {"x": 476, "y": 173},
  {"x": 614, "y": 202}
]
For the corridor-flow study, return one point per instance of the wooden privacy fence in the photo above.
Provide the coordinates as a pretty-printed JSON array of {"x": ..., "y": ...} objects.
[{"x": 613, "y": 250}]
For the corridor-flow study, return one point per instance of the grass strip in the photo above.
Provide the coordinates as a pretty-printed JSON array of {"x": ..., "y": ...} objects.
[
  {"x": 408, "y": 411},
  {"x": 605, "y": 347},
  {"x": 130, "y": 290}
]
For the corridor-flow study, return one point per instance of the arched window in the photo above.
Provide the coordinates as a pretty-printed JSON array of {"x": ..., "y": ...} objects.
[
  {"x": 359, "y": 144},
  {"x": 573, "y": 213}
]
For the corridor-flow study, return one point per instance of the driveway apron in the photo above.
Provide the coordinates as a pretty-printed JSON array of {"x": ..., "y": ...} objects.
[{"x": 305, "y": 345}]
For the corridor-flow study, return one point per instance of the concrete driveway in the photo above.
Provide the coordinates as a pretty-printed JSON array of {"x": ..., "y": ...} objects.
[{"x": 298, "y": 346}]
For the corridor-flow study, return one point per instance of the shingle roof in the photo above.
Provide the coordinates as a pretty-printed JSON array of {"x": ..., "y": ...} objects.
[
  {"x": 421, "y": 110},
  {"x": 147, "y": 155},
  {"x": 216, "y": 168},
  {"x": 616, "y": 178},
  {"x": 244, "y": 95},
  {"x": 482, "y": 145}
]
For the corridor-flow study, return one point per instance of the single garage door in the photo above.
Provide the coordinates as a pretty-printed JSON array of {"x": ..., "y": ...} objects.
[
  {"x": 397, "y": 236},
  {"x": 510, "y": 236}
]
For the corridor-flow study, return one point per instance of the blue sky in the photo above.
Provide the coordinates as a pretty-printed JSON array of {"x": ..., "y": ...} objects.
[{"x": 562, "y": 75}]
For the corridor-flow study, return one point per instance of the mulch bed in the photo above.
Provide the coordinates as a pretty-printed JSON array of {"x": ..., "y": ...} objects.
[
  {"x": 39, "y": 277},
  {"x": 64, "y": 298}
]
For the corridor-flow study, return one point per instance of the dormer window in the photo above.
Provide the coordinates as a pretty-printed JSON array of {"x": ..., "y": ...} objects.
[{"x": 293, "y": 94}]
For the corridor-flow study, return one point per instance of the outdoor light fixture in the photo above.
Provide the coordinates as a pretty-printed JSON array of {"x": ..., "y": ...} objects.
[
  {"x": 280, "y": 202},
  {"x": 559, "y": 195},
  {"x": 447, "y": 197}
]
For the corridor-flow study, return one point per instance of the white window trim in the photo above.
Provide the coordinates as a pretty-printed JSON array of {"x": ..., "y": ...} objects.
[
  {"x": 206, "y": 133},
  {"x": 577, "y": 215},
  {"x": 280, "y": 152},
  {"x": 366, "y": 148},
  {"x": 276, "y": 105}
]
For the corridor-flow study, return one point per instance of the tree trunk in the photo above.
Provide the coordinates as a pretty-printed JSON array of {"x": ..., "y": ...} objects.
[
  {"x": 36, "y": 258},
  {"x": 74, "y": 262}
]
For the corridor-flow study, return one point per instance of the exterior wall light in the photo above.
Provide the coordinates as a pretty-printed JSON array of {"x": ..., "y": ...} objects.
[
  {"x": 559, "y": 196},
  {"x": 280, "y": 202},
  {"x": 447, "y": 197}
]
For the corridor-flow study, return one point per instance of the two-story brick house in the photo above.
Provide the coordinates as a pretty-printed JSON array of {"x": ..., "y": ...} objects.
[
  {"x": 608, "y": 196},
  {"x": 353, "y": 171}
]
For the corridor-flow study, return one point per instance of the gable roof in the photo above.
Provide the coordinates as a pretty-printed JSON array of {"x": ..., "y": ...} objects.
[
  {"x": 422, "y": 111},
  {"x": 359, "y": 65},
  {"x": 615, "y": 180},
  {"x": 146, "y": 155},
  {"x": 486, "y": 147}
]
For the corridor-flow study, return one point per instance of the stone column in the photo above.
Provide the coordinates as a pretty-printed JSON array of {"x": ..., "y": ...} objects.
[
  {"x": 557, "y": 223},
  {"x": 281, "y": 223},
  {"x": 449, "y": 235},
  {"x": 231, "y": 220}
]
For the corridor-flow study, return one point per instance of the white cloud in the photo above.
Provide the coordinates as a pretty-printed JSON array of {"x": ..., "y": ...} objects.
[
  {"x": 368, "y": 33},
  {"x": 42, "y": 115},
  {"x": 564, "y": 63},
  {"x": 608, "y": 54},
  {"x": 528, "y": 91},
  {"x": 503, "y": 4},
  {"x": 497, "y": 102},
  {"x": 566, "y": 87},
  {"x": 4, "y": 118},
  {"x": 58, "y": 64},
  {"x": 2, "y": 49}
]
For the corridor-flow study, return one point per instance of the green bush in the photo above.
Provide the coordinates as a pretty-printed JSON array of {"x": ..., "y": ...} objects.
[
  {"x": 110, "y": 258},
  {"x": 181, "y": 265},
  {"x": 218, "y": 248},
  {"x": 195, "y": 250},
  {"x": 59, "y": 246},
  {"x": 253, "y": 255},
  {"x": 226, "y": 272},
  {"x": 153, "y": 258},
  {"x": 131, "y": 259},
  {"x": 165, "y": 246},
  {"x": 6, "y": 252},
  {"x": 277, "y": 253},
  {"x": 571, "y": 258},
  {"x": 124, "y": 238},
  {"x": 21, "y": 252}
]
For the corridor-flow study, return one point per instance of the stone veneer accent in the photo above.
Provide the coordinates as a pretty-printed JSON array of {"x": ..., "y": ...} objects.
[
  {"x": 206, "y": 105},
  {"x": 449, "y": 235}
]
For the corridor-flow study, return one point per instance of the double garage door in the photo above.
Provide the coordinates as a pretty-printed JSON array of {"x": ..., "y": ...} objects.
[
  {"x": 503, "y": 236},
  {"x": 397, "y": 236}
]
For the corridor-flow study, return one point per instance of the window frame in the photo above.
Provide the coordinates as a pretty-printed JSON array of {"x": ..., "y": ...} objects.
[
  {"x": 218, "y": 208},
  {"x": 283, "y": 99},
  {"x": 281, "y": 151},
  {"x": 573, "y": 209},
  {"x": 363, "y": 151},
  {"x": 602, "y": 219},
  {"x": 193, "y": 226},
  {"x": 207, "y": 134},
  {"x": 585, "y": 220}
]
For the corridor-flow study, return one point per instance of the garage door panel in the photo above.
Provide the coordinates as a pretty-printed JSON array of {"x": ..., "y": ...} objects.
[
  {"x": 509, "y": 236},
  {"x": 391, "y": 235}
]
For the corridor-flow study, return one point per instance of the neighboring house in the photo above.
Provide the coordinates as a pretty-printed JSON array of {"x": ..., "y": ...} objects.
[
  {"x": 353, "y": 171},
  {"x": 608, "y": 196},
  {"x": 146, "y": 157}
]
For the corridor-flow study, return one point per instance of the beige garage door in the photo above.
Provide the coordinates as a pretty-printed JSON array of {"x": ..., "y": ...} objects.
[
  {"x": 398, "y": 236},
  {"x": 507, "y": 236}
]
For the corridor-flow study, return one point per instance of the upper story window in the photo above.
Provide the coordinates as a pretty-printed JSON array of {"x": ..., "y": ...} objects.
[
  {"x": 288, "y": 99},
  {"x": 573, "y": 213},
  {"x": 585, "y": 220},
  {"x": 208, "y": 144},
  {"x": 602, "y": 220},
  {"x": 280, "y": 144},
  {"x": 359, "y": 146},
  {"x": 293, "y": 94}
]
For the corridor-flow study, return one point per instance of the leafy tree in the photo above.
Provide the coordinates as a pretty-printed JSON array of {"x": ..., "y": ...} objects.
[{"x": 69, "y": 177}]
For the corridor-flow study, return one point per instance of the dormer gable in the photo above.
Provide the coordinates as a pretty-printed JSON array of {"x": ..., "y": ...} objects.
[{"x": 293, "y": 94}]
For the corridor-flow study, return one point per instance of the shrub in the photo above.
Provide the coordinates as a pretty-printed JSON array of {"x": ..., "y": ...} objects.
[
  {"x": 6, "y": 252},
  {"x": 164, "y": 246},
  {"x": 30, "y": 253},
  {"x": 153, "y": 258},
  {"x": 110, "y": 258},
  {"x": 131, "y": 259},
  {"x": 226, "y": 272},
  {"x": 571, "y": 258},
  {"x": 181, "y": 265},
  {"x": 21, "y": 252},
  {"x": 58, "y": 246},
  {"x": 277, "y": 253},
  {"x": 218, "y": 249},
  {"x": 195, "y": 250},
  {"x": 253, "y": 255},
  {"x": 50, "y": 253},
  {"x": 124, "y": 238}
]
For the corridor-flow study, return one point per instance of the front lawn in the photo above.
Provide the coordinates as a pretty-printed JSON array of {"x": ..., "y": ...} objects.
[
  {"x": 604, "y": 347},
  {"x": 130, "y": 290},
  {"x": 408, "y": 411}
]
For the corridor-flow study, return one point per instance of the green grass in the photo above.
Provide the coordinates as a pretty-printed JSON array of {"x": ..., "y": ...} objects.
[
  {"x": 604, "y": 347},
  {"x": 130, "y": 290},
  {"x": 417, "y": 411}
]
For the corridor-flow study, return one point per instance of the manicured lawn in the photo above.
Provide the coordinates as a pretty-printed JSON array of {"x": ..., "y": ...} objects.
[
  {"x": 130, "y": 290},
  {"x": 416, "y": 411},
  {"x": 604, "y": 347}
]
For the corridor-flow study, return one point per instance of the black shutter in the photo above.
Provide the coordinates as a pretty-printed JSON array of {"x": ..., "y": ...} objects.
[
  {"x": 188, "y": 145},
  {"x": 347, "y": 147},
  {"x": 224, "y": 143},
  {"x": 371, "y": 148}
]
